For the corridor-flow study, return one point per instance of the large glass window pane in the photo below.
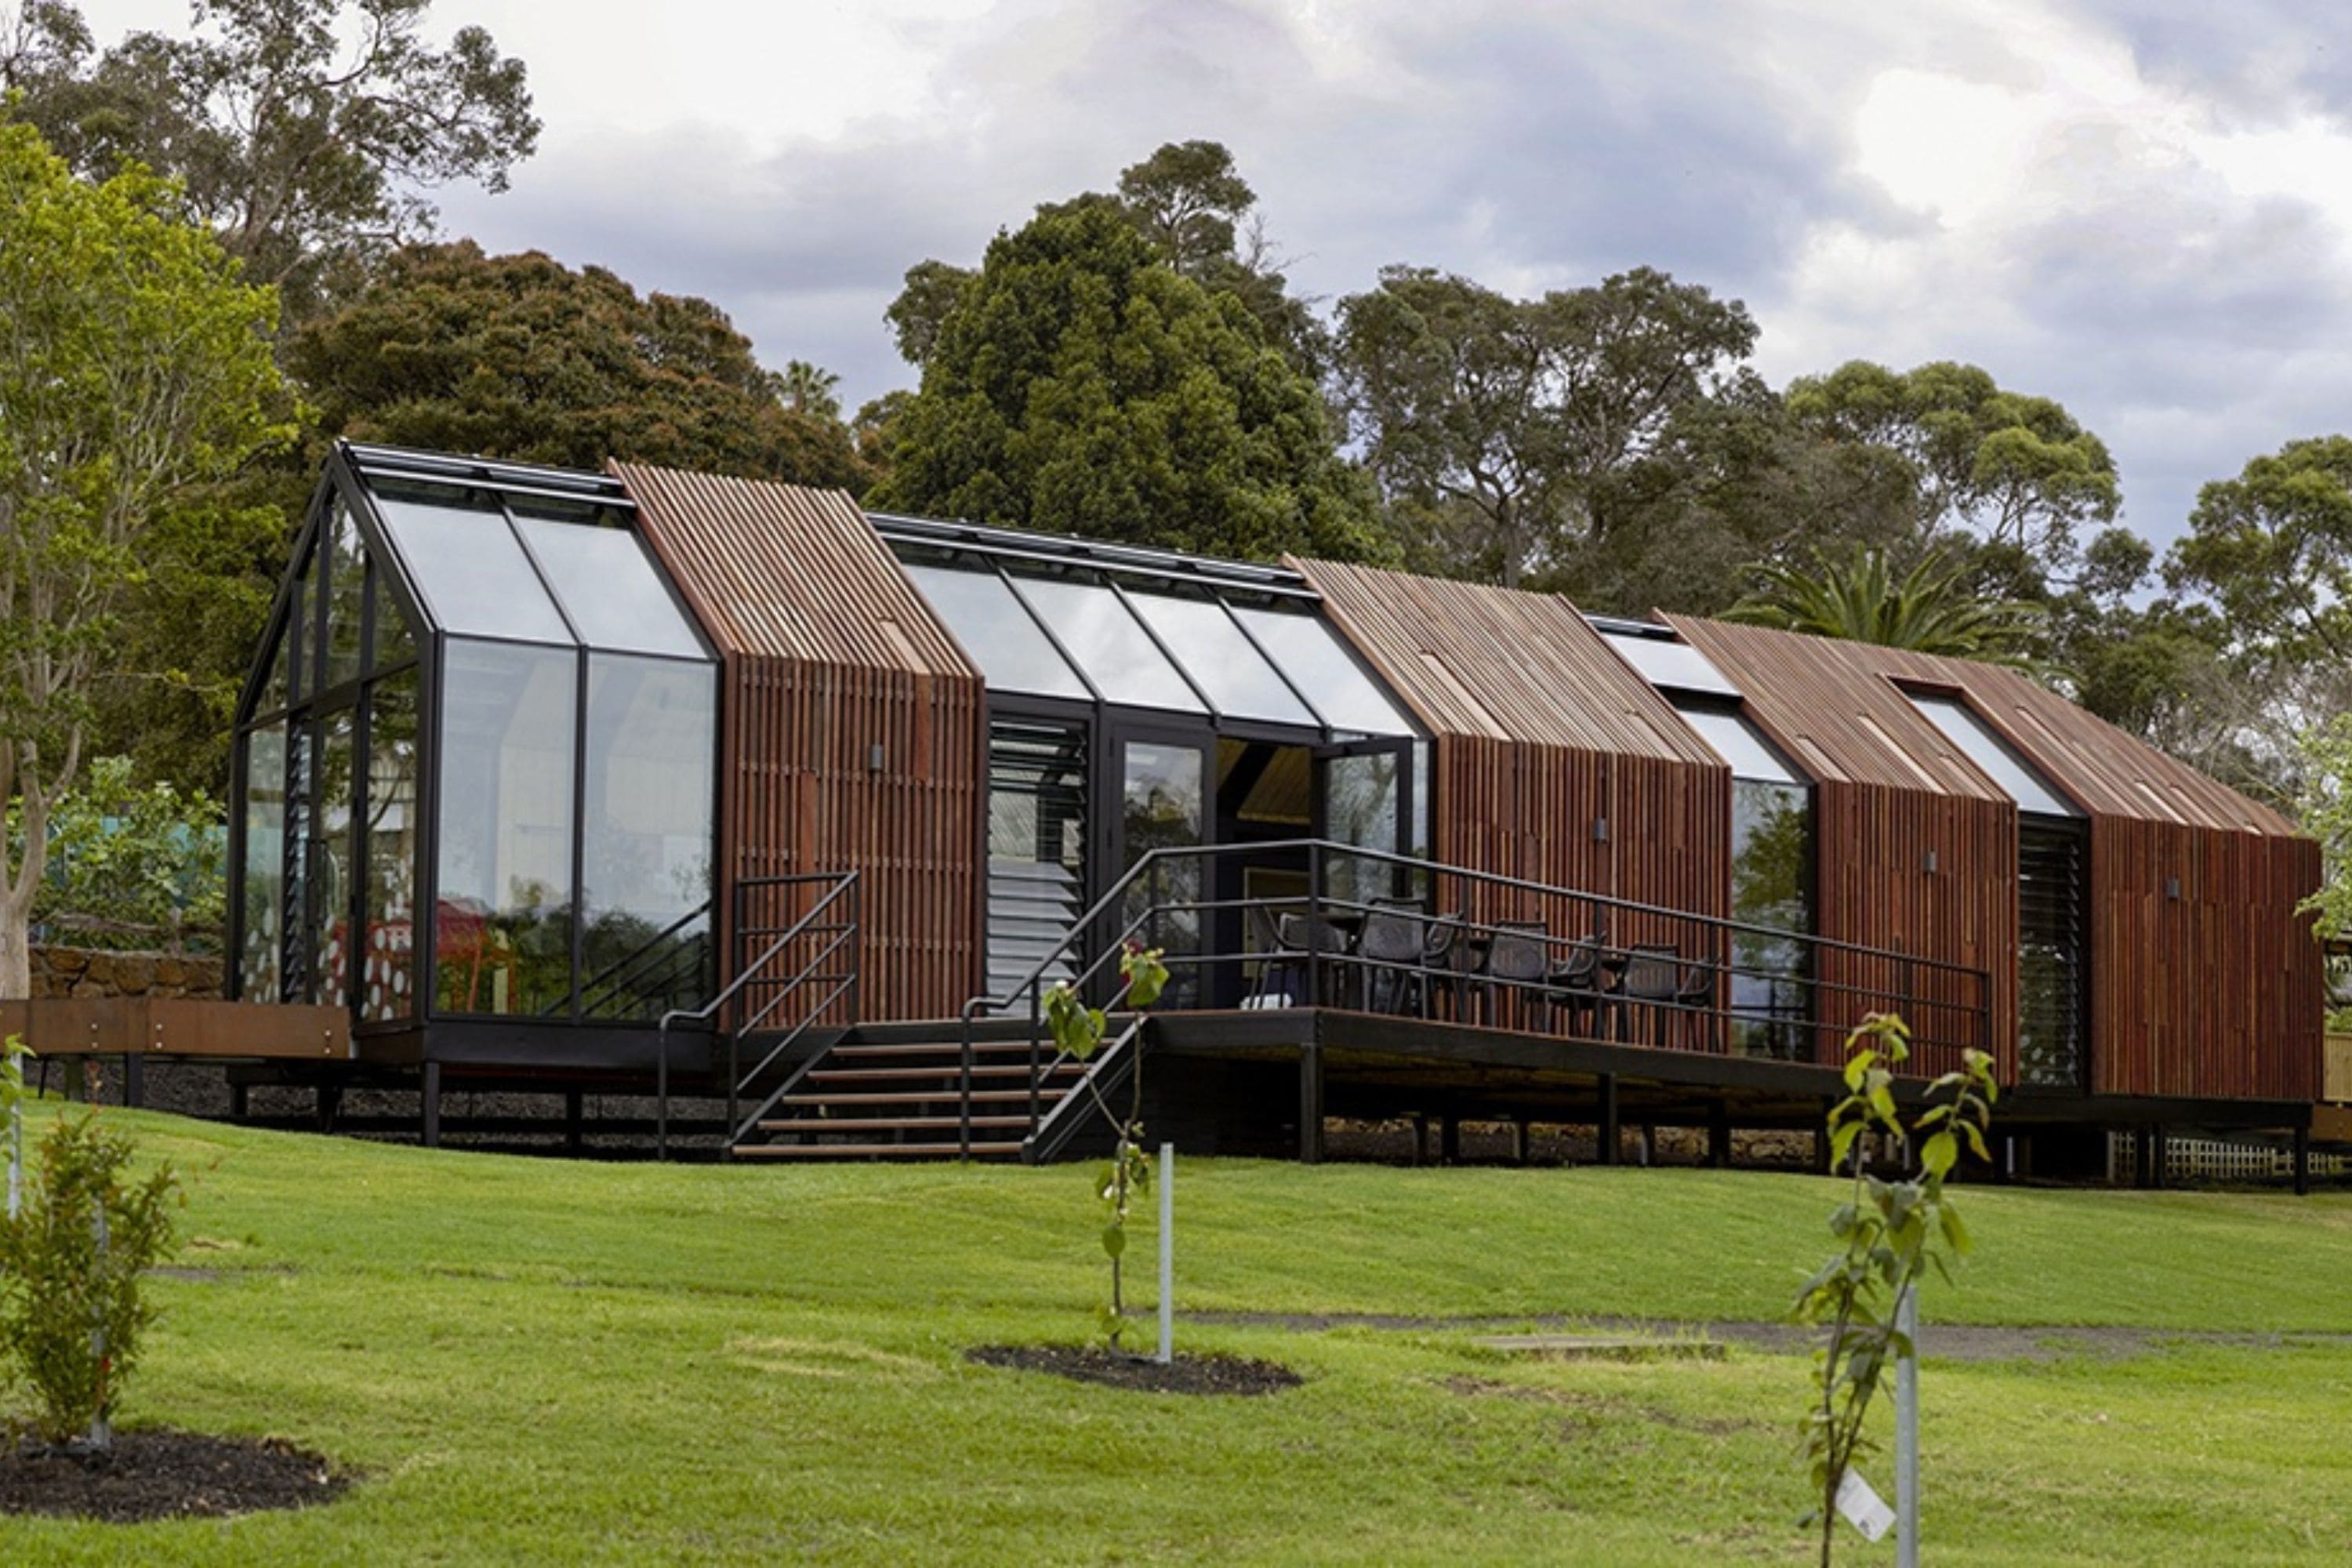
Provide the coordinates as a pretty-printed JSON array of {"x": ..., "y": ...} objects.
[
  {"x": 1675, "y": 665},
  {"x": 1036, "y": 847},
  {"x": 273, "y": 688},
  {"x": 611, "y": 588},
  {"x": 294, "y": 911},
  {"x": 1364, "y": 803},
  {"x": 388, "y": 981},
  {"x": 1737, "y": 742},
  {"x": 647, "y": 835},
  {"x": 465, "y": 559},
  {"x": 1325, "y": 672},
  {"x": 1221, "y": 660},
  {"x": 1771, "y": 886},
  {"x": 993, "y": 627},
  {"x": 261, "y": 899},
  {"x": 346, "y": 595},
  {"x": 502, "y": 925},
  {"x": 1163, "y": 799},
  {"x": 330, "y": 897},
  {"x": 1117, "y": 654},
  {"x": 1977, "y": 742}
]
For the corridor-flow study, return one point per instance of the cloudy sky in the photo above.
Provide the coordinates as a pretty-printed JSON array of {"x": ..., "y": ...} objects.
[{"x": 2142, "y": 210}]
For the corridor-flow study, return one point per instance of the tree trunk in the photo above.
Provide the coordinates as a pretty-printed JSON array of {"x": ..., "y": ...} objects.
[{"x": 15, "y": 948}]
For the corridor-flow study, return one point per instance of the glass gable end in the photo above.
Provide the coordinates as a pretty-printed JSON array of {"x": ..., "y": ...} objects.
[{"x": 496, "y": 796}]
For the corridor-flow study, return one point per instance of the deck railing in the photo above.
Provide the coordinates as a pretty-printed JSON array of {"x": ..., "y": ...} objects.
[{"x": 1673, "y": 979}]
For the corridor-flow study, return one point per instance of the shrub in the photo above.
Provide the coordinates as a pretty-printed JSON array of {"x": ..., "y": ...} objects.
[{"x": 72, "y": 1308}]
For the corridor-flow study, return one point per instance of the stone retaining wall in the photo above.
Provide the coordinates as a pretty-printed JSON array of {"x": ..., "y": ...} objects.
[{"x": 85, "y": 971}]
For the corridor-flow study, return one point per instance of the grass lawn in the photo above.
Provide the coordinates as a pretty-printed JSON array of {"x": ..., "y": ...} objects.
[{"x": 533, "y": 1361}]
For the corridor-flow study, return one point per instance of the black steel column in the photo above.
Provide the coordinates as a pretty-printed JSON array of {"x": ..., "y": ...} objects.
[
  {"x": 572, "y": 1120},
  {"x": 2302, "y": 1161},
  {"x": 1449, "y": 1140},
  {"x": 431, "y": 1105},
  {"x": 1718, "y": 1135},
  {"x": 1610, "y": 1134},
  {"x": 135, "y": 1080},
  {"x": 1310, "y": 1104},
  {"x": 237, "y": 1101}
]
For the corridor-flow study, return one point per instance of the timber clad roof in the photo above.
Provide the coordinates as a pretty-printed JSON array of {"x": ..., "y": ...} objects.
[
  {"x": 1836, "y": 705},
  {"x": 785, "y": 571},
  {"x": 1500, "y": 664}
]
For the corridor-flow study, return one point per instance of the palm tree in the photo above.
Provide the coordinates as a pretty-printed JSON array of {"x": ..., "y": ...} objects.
[
  {"x": 808, "y": 389},
  {"x": 1929, "y": 609}
]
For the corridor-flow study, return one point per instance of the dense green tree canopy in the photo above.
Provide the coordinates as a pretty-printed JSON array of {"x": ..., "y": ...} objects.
[
  {"x": 1081, "y": 385},
  {"x": 2018, "y": 471},
  {"x": 302, "y": 130},
  {"x": 1508, "y": 420},
  {"x": 518, "y": 356},
  {"x": 135, "y": 364}
]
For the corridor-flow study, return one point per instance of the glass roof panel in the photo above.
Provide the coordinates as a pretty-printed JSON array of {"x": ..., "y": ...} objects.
[
  {"x": 997, "y": 631},
  {"x": 1731, "y": 737},
  {"x": 1322, "y": 668},
  {"x": 1993, "y": 755},
  {"x": 466, "y": 565},
  {"x": 611, "y": 588},
  {"x": 1221, "y": 660},
  {"x": 1674, "y": 666},
  {"x": 1117, "y": 654}
]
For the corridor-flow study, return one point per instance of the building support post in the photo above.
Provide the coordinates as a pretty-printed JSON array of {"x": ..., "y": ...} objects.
[
  {"x": 1718, "y": 1135},
  {"x": 135, "y": 1080},
  {"x": 1449, "y": 1140},
  {"x": 1612, "y": 1135},
  {"x": 572, "y": 1130},
  {"x": 330, "y": 1104},
  {"x": 238, "y": 1101},
  {"x": 430, "y": 1105},
  {"x": 1519, "y": 1140},
  {"x": 2302, "y": 1161},
  {"x": 1310, "y": 1103},
  {"x": 1420, "y": 1139},
  {"x": 2159, "y": 1156}
]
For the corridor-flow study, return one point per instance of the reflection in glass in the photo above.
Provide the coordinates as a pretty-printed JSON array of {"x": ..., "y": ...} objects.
[
  {"x": 466, "y": 562},
  {"x": 1771, "y": 884},
  {"x": 1362, "y": 803},
  {"x": 2000, "y": 763},
  {"x": 1671, "y": 665},
  {"x": 1117, "y": 654},
  {"x": 331, "y": 899},
  {"x": 502, "y": 924},
  {"x": 608, "y": 587},
  {"x": 997, "y": 632},
  {"x": 294, "y": 913},
  {"x": 646, "y": 834},
  {"x": 1739, "y": 743},
  {"x": 259, "y": 953},
  {"x": 273, "y": 688},
  {"x": 346, "y": 595},
  {"x": 1325, "y": 672},
  {"x": 1162, "y": 795},
  {"x": 1221, "y": 660},
  {"x": 388, "y": 988},
  {"x": 1036, "y": 847},
  {"x": 395, "y": 641}
]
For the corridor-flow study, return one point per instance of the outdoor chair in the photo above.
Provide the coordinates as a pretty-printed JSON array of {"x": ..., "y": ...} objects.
[
  {"x": 1394, "y": 934},
  {"x": 1518, "y": 959},
  {"x": 1303, "y": 944},
  {"x": 1451, "y": 959},
  {"x": 1652, "y": 981},
  {"x": 1575, "y": 985},
  {"x": 1695, "y": 997}
]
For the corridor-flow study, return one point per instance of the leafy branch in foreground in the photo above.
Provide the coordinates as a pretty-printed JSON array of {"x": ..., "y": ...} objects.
[
  {"x": 1078, "y": 1030},
  {"x": 1889, "y": 1235}
]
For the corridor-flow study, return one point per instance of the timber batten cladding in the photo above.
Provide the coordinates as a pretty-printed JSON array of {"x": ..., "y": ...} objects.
[
  {"x": 852, "y": 730},
  {"x": 1554, "y": 761},
  {"x": 2203, "y": 979}
]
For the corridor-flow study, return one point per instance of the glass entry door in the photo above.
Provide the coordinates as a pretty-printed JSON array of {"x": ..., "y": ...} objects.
[{"x": 1161, "y": 786}]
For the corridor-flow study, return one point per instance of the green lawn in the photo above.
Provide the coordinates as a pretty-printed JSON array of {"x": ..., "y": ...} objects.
[{"x": 546, "y": 1362}]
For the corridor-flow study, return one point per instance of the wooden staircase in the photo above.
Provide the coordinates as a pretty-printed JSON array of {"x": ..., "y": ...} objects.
[{"x": 895, "y": 1092}]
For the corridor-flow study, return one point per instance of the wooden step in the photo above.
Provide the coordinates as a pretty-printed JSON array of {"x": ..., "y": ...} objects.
[
  {"x": 981, "y": 1050},
  {"x": 876, "y": 1123},
  {"x": 931, "y": 1075},
  {"x": 904, "y": 1097},
  {"x": 865, "y": 1151}
]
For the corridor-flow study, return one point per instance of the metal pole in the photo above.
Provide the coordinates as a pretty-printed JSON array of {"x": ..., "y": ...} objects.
[
  {"x": 1167, "y": 1253},
  {"x": 661, "y": 1092},
  {"x": 1906, "y": 1431}
]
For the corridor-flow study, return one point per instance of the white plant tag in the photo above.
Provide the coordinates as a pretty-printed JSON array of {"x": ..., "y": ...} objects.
[{"x": 1863, "y": 1508}]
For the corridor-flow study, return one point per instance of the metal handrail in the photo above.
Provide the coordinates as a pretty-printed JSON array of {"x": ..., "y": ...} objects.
[
  {"x": 844, "y": 882},
  {"x": 1317, "y": 850}
]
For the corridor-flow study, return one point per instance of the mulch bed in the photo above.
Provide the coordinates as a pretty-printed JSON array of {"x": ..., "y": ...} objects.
[
  {"x": 1185, "y": 1375},
  {"x": 166, "y": 1475}
]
